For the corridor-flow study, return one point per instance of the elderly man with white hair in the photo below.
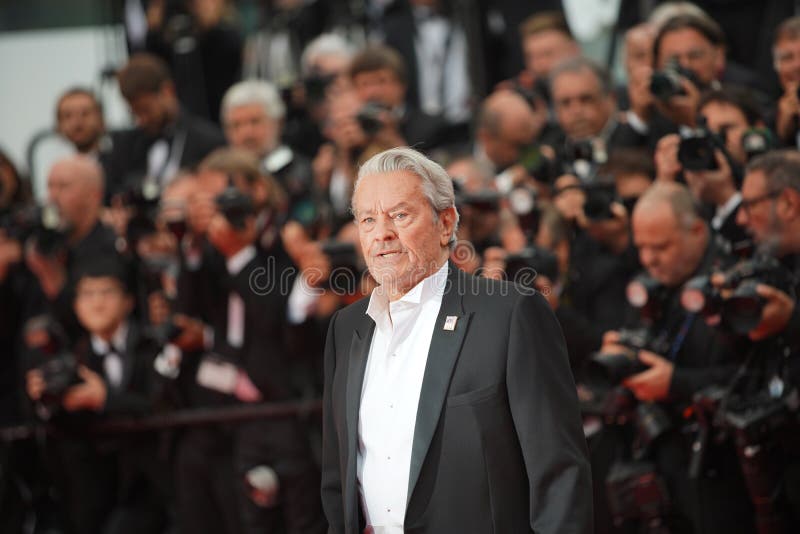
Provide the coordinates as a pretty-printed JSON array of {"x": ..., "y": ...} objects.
[{"x": 253, "y": 116}]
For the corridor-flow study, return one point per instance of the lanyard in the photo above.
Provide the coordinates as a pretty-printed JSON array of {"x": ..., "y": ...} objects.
[{"x": 677, "y": 343}]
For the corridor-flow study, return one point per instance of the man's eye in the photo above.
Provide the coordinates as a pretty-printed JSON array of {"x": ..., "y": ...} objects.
[
  {"x": 367, "y": 220},
  {"x": 400, "y": 216}
]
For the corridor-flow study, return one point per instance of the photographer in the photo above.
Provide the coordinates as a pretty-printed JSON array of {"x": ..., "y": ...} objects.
[
  {"x": 252, "y": 115},
  {"x": 585, "y": 107},
  {"x": 166, "y": 138},
  {"x": 675, "y": 244},
  {"x": 770, "y": 210},
  {"x": 75, "y": 192},
  {"x": 689, "y": 57},
  {"x": 107, "y": 485},
  {"x": 712, "y": 159},
  {"x": 380, "y": 79}
]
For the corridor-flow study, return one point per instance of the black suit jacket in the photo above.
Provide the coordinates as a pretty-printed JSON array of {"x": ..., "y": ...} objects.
[
  {"x": 126, "y": 165},
  {"x": 498, "y": 444}
]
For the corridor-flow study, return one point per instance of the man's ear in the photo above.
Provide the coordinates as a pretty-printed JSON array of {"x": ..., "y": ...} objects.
[
  {"x": 789, "y": 204},
  {"x": 448, "y": 218},
  {"x": 719, "y": 62}
]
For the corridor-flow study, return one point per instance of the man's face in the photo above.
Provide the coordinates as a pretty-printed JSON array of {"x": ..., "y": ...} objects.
[
  {"x": 381, "y": 86},
  {"x": 581, "y": 107},
  {"x": 151, "y": 111},
  {"x": 757, "y": 212},
  {"x": 668, "y": 252},
  {"x": 544, "y": 50},
  {"x": 250, "y": 127},
  {"x": 402, "y": 239},
  {"x": 638, "y": 49},
  {"x": 80, "y": 121},
  {"x": 505, "y": 148},
  {"x": 694, "y": 52},
  {"x": 723, "y": 118},
  {"x": 70, "y": 193},
  {"x": 101, "y": 304},
  {"x": 786, "y": 57}
]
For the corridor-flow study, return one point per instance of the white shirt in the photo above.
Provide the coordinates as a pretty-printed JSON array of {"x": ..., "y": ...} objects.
[
  {"x": 444, "y": 84},
  {"x": 726, "y": 209},
  {"x": 237, "y": 262},
  {"x": 112, "y": 360},
  {"x": 390, "y": 395}
]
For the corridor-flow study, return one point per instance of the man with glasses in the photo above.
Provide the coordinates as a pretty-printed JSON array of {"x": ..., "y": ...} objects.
[{"x": 770, "y": 209}]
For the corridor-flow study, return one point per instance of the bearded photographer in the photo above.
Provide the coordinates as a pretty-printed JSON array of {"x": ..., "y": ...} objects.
[
  {"x": 681, "y": 355},
  {"x": 712, "y": 158},
  {"x": 771, "y": 213}
]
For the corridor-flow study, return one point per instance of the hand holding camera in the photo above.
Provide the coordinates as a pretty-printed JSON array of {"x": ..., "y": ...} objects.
[{"x": 88, "y": 395}]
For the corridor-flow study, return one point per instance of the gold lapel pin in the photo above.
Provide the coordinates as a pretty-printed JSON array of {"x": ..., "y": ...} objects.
[{"x": 450, "y": 323}]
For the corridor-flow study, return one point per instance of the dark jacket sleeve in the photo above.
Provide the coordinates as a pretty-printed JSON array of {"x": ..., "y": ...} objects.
[
  {"x": 544, "y": 407},
  {"x": 332, "y": 503}
]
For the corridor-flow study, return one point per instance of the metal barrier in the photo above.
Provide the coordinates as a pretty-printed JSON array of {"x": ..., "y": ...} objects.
[{"x": 177, "y": 419}]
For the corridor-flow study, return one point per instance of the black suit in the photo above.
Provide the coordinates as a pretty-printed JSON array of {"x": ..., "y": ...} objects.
[
  {"x": 126, "y": 166},
  {"x": 498, "y": 445}
]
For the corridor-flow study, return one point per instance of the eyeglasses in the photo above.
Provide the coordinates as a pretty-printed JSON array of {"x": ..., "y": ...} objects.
[{"x": 747, "y": 204}]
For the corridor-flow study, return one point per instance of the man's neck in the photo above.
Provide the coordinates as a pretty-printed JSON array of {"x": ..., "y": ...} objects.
[{"x": 82, "y": 229}]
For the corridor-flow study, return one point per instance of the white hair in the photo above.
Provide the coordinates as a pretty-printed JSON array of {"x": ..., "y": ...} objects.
[
  {"x": 254, "y": 92},
  {"x": 436, "y": 184},
  {"x": 668, "y": 10},
  {"x": 327, "y": 44}
]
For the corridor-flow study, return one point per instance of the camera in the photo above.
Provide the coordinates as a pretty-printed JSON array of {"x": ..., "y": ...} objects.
[
  {"x": 696, "y": 150},
  {"x": 648, "y": 295},
  {"x": 345, "y": 266},
  {"x": 609, "y": 370},
  {"x": 757, "y": 141},
  {"x": 41, "y": 225},
  {"x": 538, "y": 165},
  {"x": 534, "y": 260},
  {"x": 143, "y": 201},
  {"x": 58, "y": 367},
  {"x": 667, "y": 83},
  {"x": 599, "y": 197},
  {"x": 316, "y": 84},
  {"x": 235, "y": 206},
  {"x": 369, "y": 117},
  {"x": 736, "y": 305}
]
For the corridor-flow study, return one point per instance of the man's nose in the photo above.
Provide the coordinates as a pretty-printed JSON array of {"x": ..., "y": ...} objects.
[{"x": 385, "y": 230}]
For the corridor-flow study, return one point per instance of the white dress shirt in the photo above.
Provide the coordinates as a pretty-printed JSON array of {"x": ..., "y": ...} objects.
[
  {"x": 112, "y": 359},
  {"x": 726, "y": 209},
  {"x": 237, "y": 262},
  {"x": 390, "y": 395}
]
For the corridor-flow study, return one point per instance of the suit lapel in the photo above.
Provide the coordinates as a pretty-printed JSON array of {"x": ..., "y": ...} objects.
[
  {"x": 357, "y": 365},
  {"x": 442, "y": 357}
]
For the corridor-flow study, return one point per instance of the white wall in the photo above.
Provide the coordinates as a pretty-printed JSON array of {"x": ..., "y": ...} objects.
[{"x": 37, "y": 66}]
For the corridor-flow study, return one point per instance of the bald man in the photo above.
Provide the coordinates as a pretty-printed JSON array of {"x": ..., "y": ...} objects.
[
  {"x": 75, "y": 189},
  {"x": 685, "y": 356},
  {"x": 507, "y": 124}
]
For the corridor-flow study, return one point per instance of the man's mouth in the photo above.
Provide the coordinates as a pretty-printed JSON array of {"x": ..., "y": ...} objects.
[{"x": 389, "y": 254}]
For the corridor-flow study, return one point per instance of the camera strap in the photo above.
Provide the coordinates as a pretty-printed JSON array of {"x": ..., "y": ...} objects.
[{"x": 677, "y": 343}]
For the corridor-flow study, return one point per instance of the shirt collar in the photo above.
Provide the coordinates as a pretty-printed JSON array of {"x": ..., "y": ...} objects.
[
  {"x": 118, "y": 341},
  {"x": 433, "y": 286},
  {"x": 725, "y": 210},
  {"x": 238, "y": 261}
]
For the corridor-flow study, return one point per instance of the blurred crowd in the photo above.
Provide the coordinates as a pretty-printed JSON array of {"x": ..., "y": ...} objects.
[{"x": 192, "y": 261}]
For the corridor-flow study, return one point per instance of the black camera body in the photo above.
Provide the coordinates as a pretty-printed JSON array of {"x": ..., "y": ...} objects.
[
  {"x": 740, "y": 309},
  {"x": 235, "y": 205},
  {"x": 696, "y": 150},
  {"x": 369, "y": 117},
  {"x": 666, "y": 83},
  {"x": 40, "y": 225},
  {"x": 533, "y": 260},
  {"x": 143, "y": 201},
  {"x": 599, "y": 197}
]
